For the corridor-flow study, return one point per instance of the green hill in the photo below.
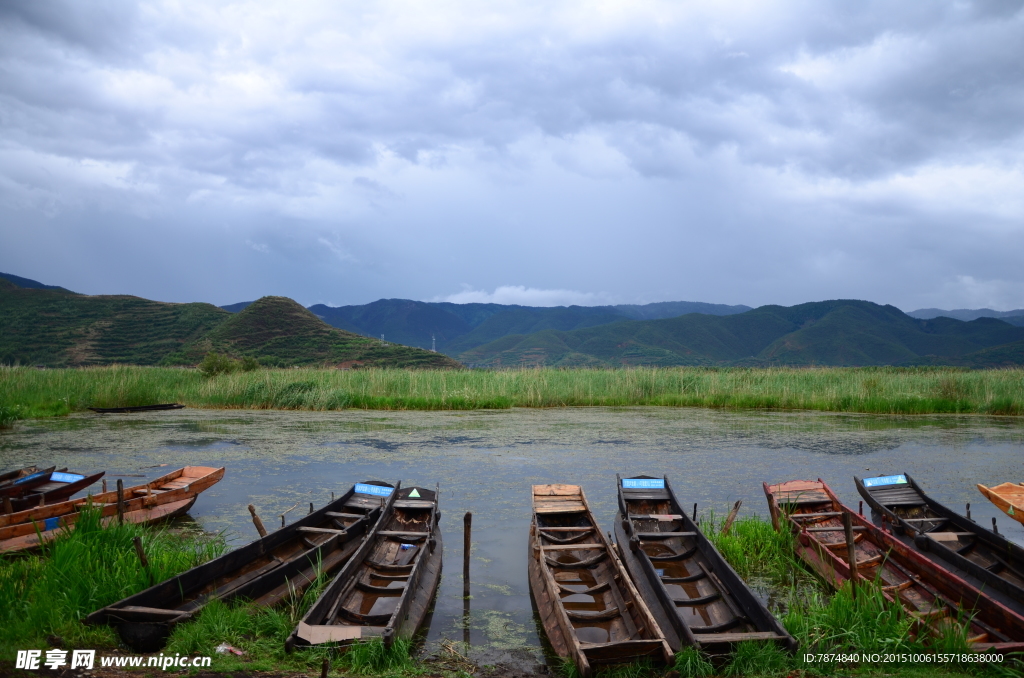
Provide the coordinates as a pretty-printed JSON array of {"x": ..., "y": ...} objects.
[
  {"x": 842, "y": 332},
  {"x": 278, "y": 331},
  {"x": 58, "y": 328}
]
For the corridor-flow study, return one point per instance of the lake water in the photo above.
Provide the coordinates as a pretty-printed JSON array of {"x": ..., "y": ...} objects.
[{"x": 485, "y": 462}]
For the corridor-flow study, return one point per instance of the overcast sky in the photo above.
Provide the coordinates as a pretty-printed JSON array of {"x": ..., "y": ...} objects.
[{"x": 521, "y": 152}]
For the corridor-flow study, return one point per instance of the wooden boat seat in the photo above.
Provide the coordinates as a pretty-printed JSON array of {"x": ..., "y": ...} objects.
[
  {"x": 386, "y": 567},
  {"x": 579, "y": 564},
  {"x": 566, "y": 540},
  {"x": 645, "y": 495},
  {"x": 703, "y": 600},
  {"x": 654, "y": 516},
  {"x": 684, "y": 580},
  {"x": 320, "y": 530},
  {"x": 379, "y": 590},
  {"x": 856, "y": 528},
  {"x": 587, "y": 528},
  {"x": 335, "y": 514},
  {"x": 586, "y": 592},
  {"x": 365, "y": 619},
  {"x": 676, "y": 556},
  {"x": 603, "y": 615},
  {"x": 816, "y": 516},
  {"x": 414, "y": 536},
  {"x": 719, "y": 628},
  {"x": 413, "y": 504},
  {"x": 735, "y": 637},
  {"x": 571, "y": 547},
  {"x": 664, "y": 535},
  {"x": 799, "y": 497}
]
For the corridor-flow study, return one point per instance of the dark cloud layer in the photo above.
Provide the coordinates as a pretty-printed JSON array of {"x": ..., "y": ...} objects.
[{"x": 731, "y": 152}]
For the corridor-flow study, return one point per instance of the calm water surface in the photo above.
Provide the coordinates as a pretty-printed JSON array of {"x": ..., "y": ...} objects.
[{"x": 486, "y": 461}]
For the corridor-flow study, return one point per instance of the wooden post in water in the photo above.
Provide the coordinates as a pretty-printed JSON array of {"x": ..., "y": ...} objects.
[
  {"x": 8, "y": 508},
  {"x": 968, "y": 510},
  {"x": 257, "y": 522},
  {"x": 851, "y": 551},
  {"x": 732, "y": 516},
  {"x": 860, "y": 507},
  {"x": 120, "y": 502},
  {"x": 104, "y": 485},
  {"x": 994, "y": 528},
  {"x": 325, "y": 668},
  {"x": 467, "y": 545},
  {"x": 310, "y": 507},
  {"x": 695, "y": 512}
]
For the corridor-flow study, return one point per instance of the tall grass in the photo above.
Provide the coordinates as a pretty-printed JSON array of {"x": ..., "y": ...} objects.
[
  {"x": 870, "y": 390},
  {"x": 80, "y": 572}
]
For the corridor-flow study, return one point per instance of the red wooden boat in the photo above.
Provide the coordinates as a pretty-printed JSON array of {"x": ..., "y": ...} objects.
[{"x": 931, "y": 594}]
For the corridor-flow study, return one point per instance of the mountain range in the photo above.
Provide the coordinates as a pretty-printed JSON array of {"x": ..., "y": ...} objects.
[{"x": 42, "y": 324}]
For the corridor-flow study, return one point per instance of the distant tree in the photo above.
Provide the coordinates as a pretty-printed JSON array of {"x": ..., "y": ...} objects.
[
  {"x": 216, "y": 363},
  {"x": 249, "y": 364}
]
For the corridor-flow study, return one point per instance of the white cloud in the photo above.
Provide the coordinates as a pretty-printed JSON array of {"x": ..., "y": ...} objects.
[{"x": 526, "y": 296}]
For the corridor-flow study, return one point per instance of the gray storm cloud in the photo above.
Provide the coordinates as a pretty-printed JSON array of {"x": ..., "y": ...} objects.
[{"x": 733, "y": 152}]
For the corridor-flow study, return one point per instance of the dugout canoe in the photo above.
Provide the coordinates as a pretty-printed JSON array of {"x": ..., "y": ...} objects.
[
  {"x": 266, "y": 571},
  {"x": 931, "y": 594},
  {"x": 591, "y": 612},
  {"x": 386, "y": 589},
  {"x": 137, "y": 408},
  {"x": 1008, "y": 498},
  {"x": 60, "y": 486},
  {"x": 18, "y": 486},
  {"x": 168, "y": 496},
  {"x": 932, "y": 528},
  {"x": 693, "y": 593},
  {"x": 9, "y": 476}
]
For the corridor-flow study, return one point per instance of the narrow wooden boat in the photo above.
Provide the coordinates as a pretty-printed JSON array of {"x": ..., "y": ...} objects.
[
  {"x": 693, "y": 593},
  {"x": 59, "y": 487},
  {"x": 932, "y": 528},
  {"x": 387, "y": 586},
  {"x": 269, "y": 569},
  {"x": 10, "y": 476},
  {"x": 591, "y": 612},
  {"x": 166, "y": 497},
  {"x": 137, "y": 408},
  {"x": 1008, "y": 498},
  {"x": 931, "y": 594},
  {"x": 18, "y": 486}
]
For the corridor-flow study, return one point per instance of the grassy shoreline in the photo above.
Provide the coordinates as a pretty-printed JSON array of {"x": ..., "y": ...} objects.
[{"x": 27, "y": 392}]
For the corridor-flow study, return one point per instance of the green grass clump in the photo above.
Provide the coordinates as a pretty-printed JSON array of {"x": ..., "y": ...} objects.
[
  {"x": 372, "y": 657},
  {"x": 887, "y": 390},
  {"x": 691, "y": 663},
  {"x": 758, "y": 659},
  {"x": 83, "y": 570}
]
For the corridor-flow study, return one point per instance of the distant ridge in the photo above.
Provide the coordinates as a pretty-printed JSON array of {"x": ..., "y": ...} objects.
[
  {"x": 235, "y": 308},
  {"x": 840, "y": 332},
  {"x": 29, "y": 284},
  {"x": 1015, "y": 317},
  {"x": 455, "y": 328}
]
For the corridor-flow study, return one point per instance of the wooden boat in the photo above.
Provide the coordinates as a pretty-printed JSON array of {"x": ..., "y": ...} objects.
[
  {"x": 591, "y": 612},
  {"x": 166, "y": 497},
  {"x": 386, "y": 588},
  {"x": 1008, "y": 497},
  {"x": 18, "y": 486},
  {"x": 137, "y": 408},
  {"x": 281, "y": 564},
  {"x": 59, "y": 487},
  {"x": 981, "y": 554},
  {"x": 10, "y": 476},
  {"x": 931, "y": 594},
  {"x": 693, "y": 593}
]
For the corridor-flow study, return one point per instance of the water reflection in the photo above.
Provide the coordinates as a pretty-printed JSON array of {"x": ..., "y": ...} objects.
[{"x": 485, "y": 462}]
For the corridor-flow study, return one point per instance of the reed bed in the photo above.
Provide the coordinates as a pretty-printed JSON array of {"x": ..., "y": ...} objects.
[{"x": 27, "y": 392}]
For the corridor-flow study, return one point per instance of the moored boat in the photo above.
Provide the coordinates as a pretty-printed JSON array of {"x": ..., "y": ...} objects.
[
  {"x": 387, "y": 586},
  {"x": 932, "y": 528},
  {"x": 137, "y": 408},
  {"x": 1008, "y": 498},
  {"x": 591, "y": 612},
  {"x": 9, "y": 476},
  {"x": 693, "y": 593},
  {"x": 58, "y": 487},
  {"x": 168, "y": 496},
  {"x": 931, "y": 594},
  {"x": 281, "y": 564},
  {"x": 17, "y": 486}
]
